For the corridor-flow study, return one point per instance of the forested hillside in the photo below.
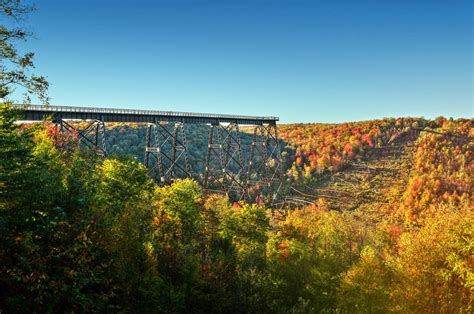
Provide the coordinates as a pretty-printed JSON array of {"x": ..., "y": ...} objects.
[{"x": 384, "y": 223}]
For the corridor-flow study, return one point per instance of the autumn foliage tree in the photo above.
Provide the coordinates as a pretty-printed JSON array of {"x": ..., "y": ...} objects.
[
  {"x": 80, "y": 233},
  {"x": 15, "y": 67}
]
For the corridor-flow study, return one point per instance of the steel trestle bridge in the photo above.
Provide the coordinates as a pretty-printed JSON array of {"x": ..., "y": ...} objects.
[
  {"x": 38, "y": 112},
  {"x": 256, "y": 175}
]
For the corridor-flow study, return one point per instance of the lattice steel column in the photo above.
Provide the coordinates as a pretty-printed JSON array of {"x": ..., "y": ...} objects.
[
  {"x": 166, "y": 154},
  {"x": 100, "y": 140},
  {"x": 92, "y": 136},
  {"x": 213, "y": 181},
  {"x": 224, "y": 168},
  {"x": 265, "y": 166},
  {"x": 275, "y": 161},
  {"x": 257, "y": 169}
]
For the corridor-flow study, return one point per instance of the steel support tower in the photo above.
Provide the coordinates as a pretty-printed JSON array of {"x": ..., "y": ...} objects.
[
  {"x": 224, "y": 166},
  {"x": 91, "y": 136},
  {"x": 265, "y": 165},
  {"x": 166, "y": 154}
]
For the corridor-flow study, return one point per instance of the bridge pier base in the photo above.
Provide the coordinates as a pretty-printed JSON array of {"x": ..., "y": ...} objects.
[
  {"x": 166, "y": 154},
  {"x": 224, "y": 167},
  {"x": 92, "y": 136}
]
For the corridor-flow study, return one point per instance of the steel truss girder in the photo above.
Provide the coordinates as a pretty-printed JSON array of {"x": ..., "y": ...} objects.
[
  {"x": 265, "y": 166},
  {"x": 224, "y": 169},
  {"x": 92, "y": 136},
  {"x": 166, "y": 153}
]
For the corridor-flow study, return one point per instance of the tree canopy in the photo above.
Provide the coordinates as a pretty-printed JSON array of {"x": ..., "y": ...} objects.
[{"x": 16, "y": 66}]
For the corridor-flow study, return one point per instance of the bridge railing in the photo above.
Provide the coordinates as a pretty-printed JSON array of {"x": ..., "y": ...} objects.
[{"x": 141, "y": 112}]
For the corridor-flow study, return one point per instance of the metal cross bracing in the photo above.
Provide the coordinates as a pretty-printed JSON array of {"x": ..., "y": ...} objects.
[
  {"x": 265, "y": 166},
  {"x": 224, "y": 166},
  {"x": 166, "y": 154},
  {"x": 91, "y": 136}
]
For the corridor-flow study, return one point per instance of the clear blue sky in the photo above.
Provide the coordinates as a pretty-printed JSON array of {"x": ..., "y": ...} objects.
[{"x": 317, "y": 61}]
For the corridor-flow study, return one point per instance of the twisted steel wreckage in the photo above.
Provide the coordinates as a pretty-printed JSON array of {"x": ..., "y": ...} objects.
[{"x": 256, "y": 177}]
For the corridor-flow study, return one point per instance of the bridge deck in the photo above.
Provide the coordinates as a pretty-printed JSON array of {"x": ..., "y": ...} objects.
[{"x": 38, "y": 112}]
